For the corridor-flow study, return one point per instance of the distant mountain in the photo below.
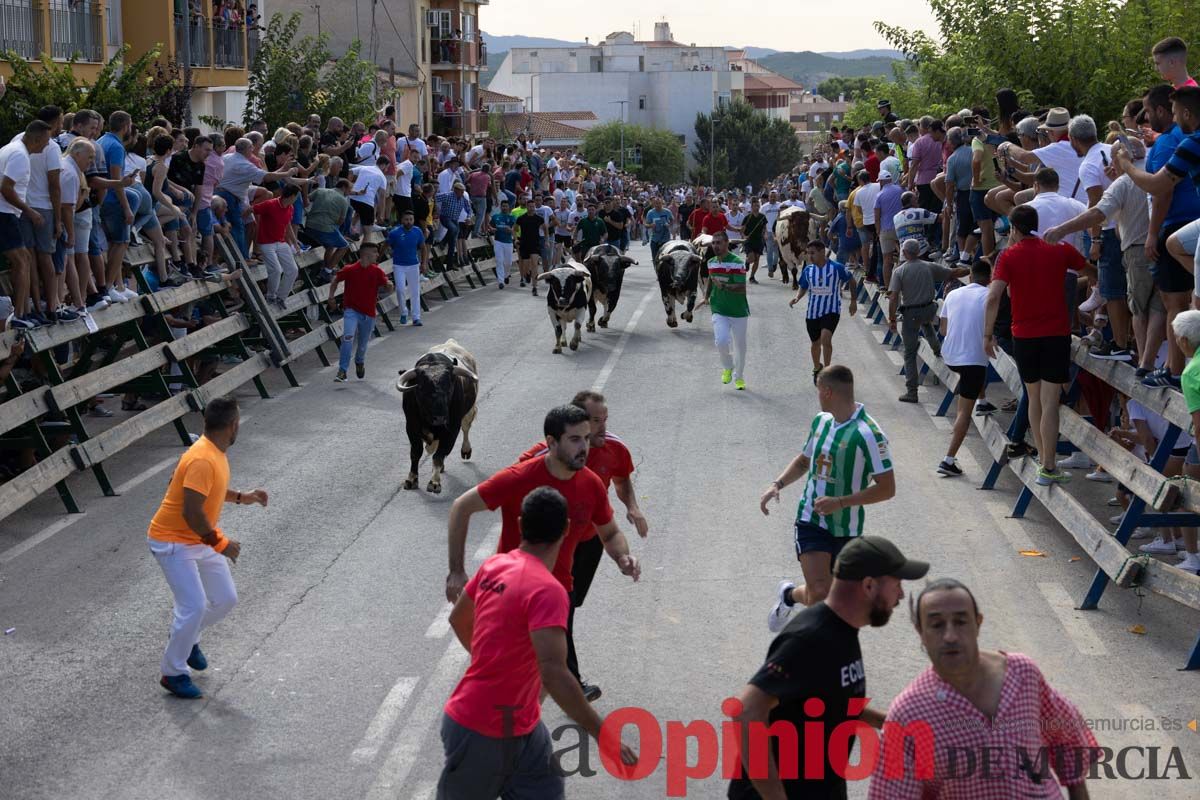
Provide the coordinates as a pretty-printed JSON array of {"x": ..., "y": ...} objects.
[
  {"x": 502, "y": 44},
  {"x": 757, "y": 52},
  {"x": 809, "y": 68},
  {"x": 892, "y": 54}
]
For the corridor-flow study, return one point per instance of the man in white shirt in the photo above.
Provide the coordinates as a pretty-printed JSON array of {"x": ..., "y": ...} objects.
[
  {"x": 1053, "y": 209},
  {"x": 414, "y": 141},
  {"x": 1059, "y": 155},
  {"x": 770, "y": 210},
  {"x": 963, "y": 314},
  {"x": 14, "y": 187},
  {"x": 370, "y": 185},
  {"x": 402, "y": 199},
  {"x": 44, "y": 197},
  {"x": 449, "y": 175}
]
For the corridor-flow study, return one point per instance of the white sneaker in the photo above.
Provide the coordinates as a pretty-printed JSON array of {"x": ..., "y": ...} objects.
[
  {"x": 781, "y": 611},
  {"x": 1115, "y": 519},
  {"x": 1142, "y": 533},
  {"x": 130, "y": 294},
  {"x": 1077, "y": 460},
  {"x": 1158, "y": 547},
  {"x": 1099, "y": 477},
  {"x": 1191, "y": 563},
  {"x": 1093, "y": 302},
  {"x": 115, "y": 295}
]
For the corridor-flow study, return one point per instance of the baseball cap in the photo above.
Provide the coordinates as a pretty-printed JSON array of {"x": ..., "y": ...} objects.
[
  {"x": 1028, "y": 127},
  {"x": 874, "y": 557},
  {"x": 884, "y": 175}
]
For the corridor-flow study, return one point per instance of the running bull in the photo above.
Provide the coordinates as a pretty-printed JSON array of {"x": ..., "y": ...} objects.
[
  {"x": 791, "y": 232},
  {"x": 440, "y": 393},
  {"x": 568, "y": 294},
  {"x": 678, "y": 271},
  {"x": 607, "y": 266}
]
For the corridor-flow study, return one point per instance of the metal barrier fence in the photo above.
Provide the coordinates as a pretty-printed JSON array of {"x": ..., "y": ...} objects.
[{"x": 1157, "y": 501}]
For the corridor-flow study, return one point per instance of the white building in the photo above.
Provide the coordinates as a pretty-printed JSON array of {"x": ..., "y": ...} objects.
[{"x": 660, "y": 84}]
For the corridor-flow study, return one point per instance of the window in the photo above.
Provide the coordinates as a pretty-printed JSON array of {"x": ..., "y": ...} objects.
[
  {"x": 642, "y": 103},
  {"x": 468, "y": 26},
  {"x": 641, "y": 63},
  {"x": 816, "y": 117},
  {"x": 722, "y": 99},
  {"x": 444, "y": 29}
]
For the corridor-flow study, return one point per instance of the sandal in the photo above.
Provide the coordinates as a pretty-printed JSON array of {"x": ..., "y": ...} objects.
[{"x": 136, "y": 405}]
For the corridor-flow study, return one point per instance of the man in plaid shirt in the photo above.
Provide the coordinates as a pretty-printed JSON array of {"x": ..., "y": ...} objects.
[
  {"x": 450, "y": 208},
  {"x": 986, "y": 721}
]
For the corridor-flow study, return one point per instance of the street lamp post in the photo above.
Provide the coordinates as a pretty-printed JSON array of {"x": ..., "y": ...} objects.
[{"x": 622, "y": 104}]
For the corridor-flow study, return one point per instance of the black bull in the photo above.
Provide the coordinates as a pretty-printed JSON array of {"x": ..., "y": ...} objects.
[
  {"x": 607, "y": 266},
  {"x": 678, "y": 272},
  {"x": 439, "y": 401}
]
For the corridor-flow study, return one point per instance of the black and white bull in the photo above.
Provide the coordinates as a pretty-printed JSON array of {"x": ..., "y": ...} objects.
[
  {"x": 568, "y": 294},
  {"x": 439, "y": 400},
  {"x": 607, "y": 266},
  {"x": 678, "y": 271}
]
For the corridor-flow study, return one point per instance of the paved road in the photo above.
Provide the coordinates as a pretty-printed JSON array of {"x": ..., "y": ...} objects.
[{"x": 327, "y": 681}]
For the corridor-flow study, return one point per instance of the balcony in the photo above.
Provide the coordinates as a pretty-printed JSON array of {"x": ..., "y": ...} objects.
[
  {"x": 203, "y": 43},
  {"x": 21, "y": 28},
  {"x": 77, "y": 30},
  {"x": 450, "y": 53},
  {"x": 456, "y": 123}
]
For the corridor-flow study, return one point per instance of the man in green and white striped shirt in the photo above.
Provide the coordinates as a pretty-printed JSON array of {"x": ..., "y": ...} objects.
[{"x": 851, "y": 467}]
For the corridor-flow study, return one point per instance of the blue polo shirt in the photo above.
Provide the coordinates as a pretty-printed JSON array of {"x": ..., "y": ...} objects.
[
  {"x": 1185, "y": 201},
  {"x": 114, "y": 153},
  {"x": 406, "y": 245}
]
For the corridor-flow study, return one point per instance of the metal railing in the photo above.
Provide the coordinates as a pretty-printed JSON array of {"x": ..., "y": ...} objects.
[
  {"x": 112, "y": 10},
  {"x": 456, "y": 51},
  {"x": 21, "y": 28},
  {"x": 76, "y": 30},
  {"x": 192, "y": 41},
  {"x": 229, "y": 45}
]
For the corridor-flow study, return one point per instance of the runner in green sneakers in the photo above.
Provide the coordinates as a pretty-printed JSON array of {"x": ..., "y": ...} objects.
[
  {"x": 851, "y": 468},
  {"x": 730, "y": 309}
]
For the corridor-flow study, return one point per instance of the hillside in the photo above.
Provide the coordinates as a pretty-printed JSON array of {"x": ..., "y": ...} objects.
[{"x": 809, "y": 69}]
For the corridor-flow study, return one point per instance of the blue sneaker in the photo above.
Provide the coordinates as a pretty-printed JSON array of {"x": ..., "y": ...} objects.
[
  {"x": 196, "y": 660},
  {"x": 403, "y": 319},
  {"x": 416, "y": 323},
  {"x": 181, "y": 686}
]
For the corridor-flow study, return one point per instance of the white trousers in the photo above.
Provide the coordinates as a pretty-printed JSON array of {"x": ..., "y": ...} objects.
[
  {"x": 281, "y": 268},
  {"x": 202, "y": 584},
  {"x": 504, "y": 258},
  {"x": 731, "y": 331},
  {"x": 408, "y": 276}
]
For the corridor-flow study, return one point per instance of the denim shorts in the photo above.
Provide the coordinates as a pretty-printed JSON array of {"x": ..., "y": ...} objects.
[
  {"x": 1113, "y": 284},
  {"x": 39, "y": 237},
  {"x": 112, "y": 216},
  {"x": 331, "y": 238},
  {"x": 83, "y": 231},
  {"x": 10, "y": 232},
  {"x": 979, "y": 209},
  {"x": 205, "y": 221},
  {"x": 97, "y": 241}
]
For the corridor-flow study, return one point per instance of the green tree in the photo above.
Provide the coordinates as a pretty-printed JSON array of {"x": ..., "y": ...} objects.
[
  {"x": 751, "y": 146},
  {"x": 348, "y": 87},
  {"x": 662, "y": 152},
  {"x": 142, "y": 87},
  {"x": 909, "y": 98},
  {"x": 1090, "y": 56},
  {"x": 852, "y": 88},
  {"x": 286, "y": 75}
]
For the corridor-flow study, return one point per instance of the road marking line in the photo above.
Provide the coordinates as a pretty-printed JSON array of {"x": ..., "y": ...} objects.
[
  {"x": 385, "y": 718},
  {"x": 39, "y": 537},
  {"x": 425, "y": 713},
  {"x": 1079, "y": 630},
  {"x": 611, "y": 363},
  {"x": 146, "y": 475},
  {"x": 441, "y": 623}
]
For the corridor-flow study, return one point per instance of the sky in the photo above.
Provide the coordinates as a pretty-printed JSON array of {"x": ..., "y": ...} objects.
[{"x": 819, "y": 25}]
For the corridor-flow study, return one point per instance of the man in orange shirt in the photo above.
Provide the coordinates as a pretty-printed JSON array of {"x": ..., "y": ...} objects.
[{"x": 192, "y": 550}]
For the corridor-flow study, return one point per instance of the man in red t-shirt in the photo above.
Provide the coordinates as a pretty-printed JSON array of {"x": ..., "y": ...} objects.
[
  {"x": 276, "y": 240},
  {"x": 363, "y": 281},
  {"x": 716, "y": 221},
  {"x": 563, "y": 468},
  {"x": 696, "y": 220},
  {"x": 512, "y": 619},
  {"x": 1034, "y": 273},
  {"x": 609, "y": 458}
]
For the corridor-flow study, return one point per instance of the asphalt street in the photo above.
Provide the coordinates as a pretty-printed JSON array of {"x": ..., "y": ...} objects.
[{"x": 327, "y": 680}]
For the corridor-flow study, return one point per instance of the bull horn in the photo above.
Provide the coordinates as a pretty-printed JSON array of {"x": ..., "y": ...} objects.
[
  {"x": 405, "y": 382},
  {"x": 463, "y": 372}
]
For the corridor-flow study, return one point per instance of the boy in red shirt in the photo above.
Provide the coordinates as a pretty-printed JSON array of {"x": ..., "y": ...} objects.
[
  {"x": 363, "y": 281},
  {"x": 1034, "y": 273},
  {"x": 696, "y": 220},
  {"x": 275, "y": 242},
  {"x": 716, "y": 221},
  {"x": 512, "y": 618}
]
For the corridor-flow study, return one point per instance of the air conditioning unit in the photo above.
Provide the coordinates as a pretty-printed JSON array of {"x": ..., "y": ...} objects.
[{"x": 431, "y": 19}]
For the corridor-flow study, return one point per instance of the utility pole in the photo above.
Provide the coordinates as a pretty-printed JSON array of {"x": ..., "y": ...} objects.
[
  {"x": 317, "y": 7},
  {"x": 622, "y": 104},
  {"x": 712, "y": 150}
]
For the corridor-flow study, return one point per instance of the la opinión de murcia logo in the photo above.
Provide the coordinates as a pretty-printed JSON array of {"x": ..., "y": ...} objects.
[{"x": 718, "y": 753}]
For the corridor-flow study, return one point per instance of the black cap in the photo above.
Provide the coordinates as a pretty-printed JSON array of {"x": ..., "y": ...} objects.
[
  {"x": 874, "y": 557},
  {"x": 883, "y": 104}
]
